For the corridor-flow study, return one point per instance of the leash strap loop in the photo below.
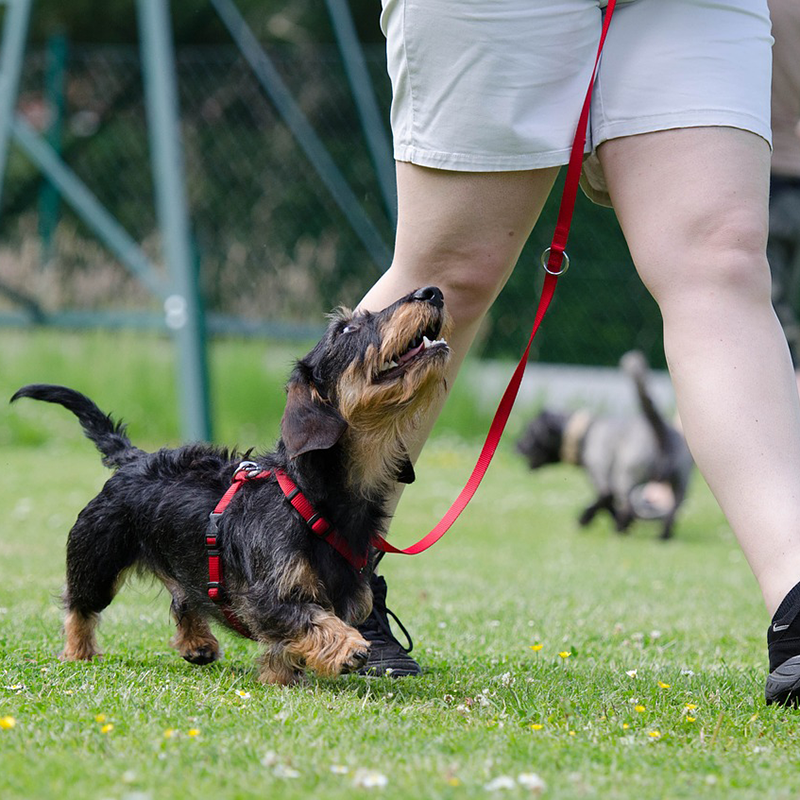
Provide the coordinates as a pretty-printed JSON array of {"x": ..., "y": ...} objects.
[{"x": 557, "y": 262}]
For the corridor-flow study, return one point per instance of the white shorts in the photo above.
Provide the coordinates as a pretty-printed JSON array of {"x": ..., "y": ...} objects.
[{"x": 497, "y": 85}]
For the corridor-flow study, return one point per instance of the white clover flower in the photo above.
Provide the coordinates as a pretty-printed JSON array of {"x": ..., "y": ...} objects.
[
  {"x": 269, "y": 759},
  {"x": 507, "y": 679},
  {"x": 530, "y": 780},
  {"x": 500, "y": 783},
  {"x": 369, "y": 779},
  {"x": 285, "y": 771}
]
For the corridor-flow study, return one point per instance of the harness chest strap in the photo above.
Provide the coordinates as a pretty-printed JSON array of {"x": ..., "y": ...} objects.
[{"x": 316, "y": 522}]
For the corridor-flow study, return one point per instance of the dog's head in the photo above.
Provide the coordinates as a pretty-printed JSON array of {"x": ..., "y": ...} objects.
[
  {"x": 366, "y": 382},
  {"x": 541, "y": 442}
]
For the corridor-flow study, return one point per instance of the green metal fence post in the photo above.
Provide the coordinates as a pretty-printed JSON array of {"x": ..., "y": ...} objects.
[
  {"x": 49, "y": 198},
  {"x": 15, "y": 32},
  {"x": 183, "y": 309}
]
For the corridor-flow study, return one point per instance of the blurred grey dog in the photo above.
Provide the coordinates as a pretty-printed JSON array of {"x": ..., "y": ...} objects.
[{"x": 640, "y": 466}]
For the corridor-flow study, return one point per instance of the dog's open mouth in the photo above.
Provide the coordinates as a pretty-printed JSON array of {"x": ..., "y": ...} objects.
[{"x": 423, "y": 344}]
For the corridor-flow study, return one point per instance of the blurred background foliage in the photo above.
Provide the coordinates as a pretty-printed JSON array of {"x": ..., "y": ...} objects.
[{"x": 272, "y": 245}]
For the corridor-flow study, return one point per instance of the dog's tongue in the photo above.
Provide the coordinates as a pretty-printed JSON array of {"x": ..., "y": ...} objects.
[{"x": 411, "y": 353}]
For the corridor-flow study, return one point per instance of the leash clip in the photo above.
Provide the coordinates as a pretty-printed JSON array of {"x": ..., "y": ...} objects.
[{"x": 250, "y": 469}]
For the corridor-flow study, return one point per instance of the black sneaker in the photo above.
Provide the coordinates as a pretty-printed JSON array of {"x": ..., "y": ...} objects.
[
  {"x": 783, "y": 641},
  {"x": 386, "y": 656}
]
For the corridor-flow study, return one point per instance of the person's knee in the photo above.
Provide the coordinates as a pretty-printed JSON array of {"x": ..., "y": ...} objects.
[
  {"x": 470, "y": 277},
  {"x": 716, "y": 256}
]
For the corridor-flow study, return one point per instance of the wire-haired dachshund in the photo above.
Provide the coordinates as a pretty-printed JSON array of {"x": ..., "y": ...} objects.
[{"x": 351, "y": 404}]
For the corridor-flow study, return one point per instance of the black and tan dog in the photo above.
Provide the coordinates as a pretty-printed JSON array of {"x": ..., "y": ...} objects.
[
  {"x": 351, "y": 403},
  {"x": 630, "y": 460}
]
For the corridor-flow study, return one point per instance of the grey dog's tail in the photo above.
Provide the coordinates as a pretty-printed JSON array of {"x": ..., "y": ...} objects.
[
  {"x": 109, "y": 436},
  {"x": 635, "y": 365}
]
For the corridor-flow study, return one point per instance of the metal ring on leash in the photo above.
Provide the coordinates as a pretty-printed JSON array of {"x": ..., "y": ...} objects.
[{"x": 564, "y": 263}]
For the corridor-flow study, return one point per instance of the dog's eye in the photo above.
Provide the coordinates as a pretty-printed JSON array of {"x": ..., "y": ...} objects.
[{"x": 351, "y": 328}]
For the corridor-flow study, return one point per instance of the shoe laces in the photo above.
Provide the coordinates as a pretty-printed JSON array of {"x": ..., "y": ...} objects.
[{"x": 376, "y": 628}]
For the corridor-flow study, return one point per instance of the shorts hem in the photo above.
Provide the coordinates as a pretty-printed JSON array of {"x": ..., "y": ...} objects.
[
  {"x": 480, "y": 162},
  {"x": 712, "y": 118}
]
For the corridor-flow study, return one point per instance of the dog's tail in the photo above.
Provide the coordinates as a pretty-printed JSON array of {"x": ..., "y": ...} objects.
[
  {"x": 634, "y": 364},
  {"x": 109, "y": 436}
]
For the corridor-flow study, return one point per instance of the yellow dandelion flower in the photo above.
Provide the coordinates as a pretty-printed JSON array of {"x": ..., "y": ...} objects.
[
  {"x": 654, "y": 734},
  {"x": 625, "y": 726},
  {"x": 690, "y": 706},
  {"x": 536, "y": 726},
  {"x": 454, "y": 781},
  {"x": 691, "y": 719},
  {"x": 639, "y": 709},
  {"x": 7, "y": 723},
  {"x": 662, "y": 685},
  {"x": 193, "y": 732},
  {"x": 107, "y": 728},
  {"x": 536, "y": 647},
  {"x": 100, "y": 718},
  {"x": 572, "y": 733},
  {"x": 565, "y": 654},
  {"x": 169, "y": 733}
]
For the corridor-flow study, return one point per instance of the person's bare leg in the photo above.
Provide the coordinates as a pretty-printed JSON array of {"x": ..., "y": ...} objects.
[
  {"x": 693, "y": 206},
  {"x": 462, "y": 232}
]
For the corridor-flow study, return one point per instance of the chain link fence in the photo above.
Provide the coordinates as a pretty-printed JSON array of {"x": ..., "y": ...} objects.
[{"x": 272, "y": 245}]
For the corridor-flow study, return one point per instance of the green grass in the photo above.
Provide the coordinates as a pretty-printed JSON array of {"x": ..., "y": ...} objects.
[
  {"x": 137, "y": 383},
  {"x": 515, "y": 571}
]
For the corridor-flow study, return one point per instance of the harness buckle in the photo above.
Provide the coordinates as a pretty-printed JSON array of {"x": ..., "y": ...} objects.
[{"x": 213, "y": 523}]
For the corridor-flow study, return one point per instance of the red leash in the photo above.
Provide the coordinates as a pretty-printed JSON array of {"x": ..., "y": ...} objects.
[{"x": 555, "y": 262}]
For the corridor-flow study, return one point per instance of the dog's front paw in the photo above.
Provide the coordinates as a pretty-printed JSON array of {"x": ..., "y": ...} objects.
[
  {"x": 204, "y": 654},
  {"x": 196, "y": 644},
  {"x": 357, "y": 658}
]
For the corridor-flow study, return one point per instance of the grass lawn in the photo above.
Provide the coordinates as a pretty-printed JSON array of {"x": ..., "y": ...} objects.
[{"x": 614, "y": 667}]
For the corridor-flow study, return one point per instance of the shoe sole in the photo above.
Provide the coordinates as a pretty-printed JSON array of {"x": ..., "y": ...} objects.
[
  {"x": 380, "y": 671},
  {"x": 783, "y": 684}
]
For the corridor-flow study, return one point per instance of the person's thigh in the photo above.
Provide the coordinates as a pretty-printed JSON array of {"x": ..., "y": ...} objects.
[
  {"x": 692, "y": 204},
  {"x": 682, "y": 64},
  {"x": 462, "y": 231}
]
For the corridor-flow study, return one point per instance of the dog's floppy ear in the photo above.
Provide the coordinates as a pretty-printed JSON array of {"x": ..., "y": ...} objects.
[
  {"x": 405, "y": 472},
  {"x": 309, "y": 423}
]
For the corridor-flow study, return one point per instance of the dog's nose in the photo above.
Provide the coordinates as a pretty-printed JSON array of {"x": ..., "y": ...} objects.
[{"x": 430, "y": 294}]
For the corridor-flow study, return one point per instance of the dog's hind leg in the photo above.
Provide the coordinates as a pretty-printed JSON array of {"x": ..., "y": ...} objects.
[
  {"x": 97, "y": 558},
  {"x": 193, "y": 638},
  {"x": 604, "y": 501}
]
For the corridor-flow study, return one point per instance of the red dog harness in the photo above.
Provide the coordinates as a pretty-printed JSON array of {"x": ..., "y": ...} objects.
[{"x": 317, "y": 524}]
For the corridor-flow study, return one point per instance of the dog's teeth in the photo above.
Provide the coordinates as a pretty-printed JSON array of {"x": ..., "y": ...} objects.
[
  {"x": 426, "y": 342},
  {"x": 393, "y": 364}
]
